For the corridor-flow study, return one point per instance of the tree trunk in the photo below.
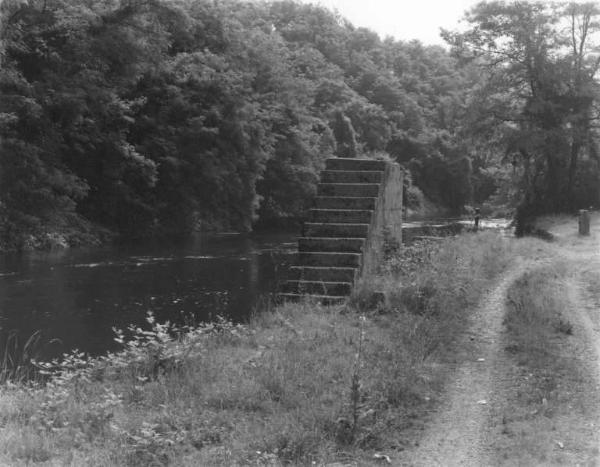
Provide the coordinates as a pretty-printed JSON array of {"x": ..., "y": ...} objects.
[
  {"x": 575, "y": 146},
  {"x": 553, "y": 201}
]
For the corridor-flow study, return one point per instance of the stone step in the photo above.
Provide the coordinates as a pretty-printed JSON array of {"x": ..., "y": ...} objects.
[
  {"x": 322, "y": 299},
  {"x": 351, "y": 176},
  {"x": 343, "y": 260},
  {"x": 366, "y": 190},
  {"x": 325, "y": 274},
  {"x": 340, "y": 245},
  {"x": 339, "y": 163},
  {"x": 336, "y": 202},
  {"x": 318, "y": 288},
  {"x": 328, "y": 229},
  {"x": 341, "y": 216}
]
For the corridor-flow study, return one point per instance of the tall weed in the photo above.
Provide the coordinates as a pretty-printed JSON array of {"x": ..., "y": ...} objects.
[{"x": 16, "y": 357}]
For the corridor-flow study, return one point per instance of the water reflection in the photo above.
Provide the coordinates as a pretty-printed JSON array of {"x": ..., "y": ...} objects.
[{"x": 75, "y": 297}]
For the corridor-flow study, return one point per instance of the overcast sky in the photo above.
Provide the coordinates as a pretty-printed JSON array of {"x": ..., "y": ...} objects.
[{"x": 403, "y": 19}]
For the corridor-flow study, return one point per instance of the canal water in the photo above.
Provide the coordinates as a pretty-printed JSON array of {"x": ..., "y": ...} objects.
[{"x": 75, "y": 297}]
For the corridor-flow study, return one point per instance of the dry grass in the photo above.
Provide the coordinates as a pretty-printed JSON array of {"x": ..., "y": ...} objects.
[
  {"x": 537, "y": 313},
  {"x": 440, "y": 283},
  {"x": 547, "y": 404},
  {"x": 300, "y": 385}
]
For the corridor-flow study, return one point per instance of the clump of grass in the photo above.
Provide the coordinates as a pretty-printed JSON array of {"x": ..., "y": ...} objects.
[
  {"x": 16, "y": 357},
  {"x": 546, "y": 399},
  {"x": 430, "y": 286},
  {"x": 537, "y": 312},
  {"x": 425, "y": 275}
]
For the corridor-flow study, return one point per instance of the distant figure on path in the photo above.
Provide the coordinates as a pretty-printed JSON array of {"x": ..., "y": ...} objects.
[{"x": 476, "y": 217}]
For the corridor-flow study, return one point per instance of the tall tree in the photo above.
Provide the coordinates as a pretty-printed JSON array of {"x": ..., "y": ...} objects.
[
  {"x": 149, "y": 116},
  {"x": 538, "y": 101}
]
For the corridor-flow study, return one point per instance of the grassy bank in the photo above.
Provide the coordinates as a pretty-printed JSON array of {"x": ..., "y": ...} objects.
[
  {"x": 550, "y": 404},
  {"x": 301, "y": 384}
]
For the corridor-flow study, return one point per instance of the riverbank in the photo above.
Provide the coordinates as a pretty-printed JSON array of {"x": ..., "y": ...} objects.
[
  {"x": 300, "y": 384},
  {"x": 523, "y": 390},
  {"x": 76, "y": 296},
  {"x": 81, "y": 233}
]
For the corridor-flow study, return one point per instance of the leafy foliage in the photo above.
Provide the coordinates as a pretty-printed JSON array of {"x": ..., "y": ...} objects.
[
  {"x": 538, "y": 101},
  {"x": 152, "y": 117}
]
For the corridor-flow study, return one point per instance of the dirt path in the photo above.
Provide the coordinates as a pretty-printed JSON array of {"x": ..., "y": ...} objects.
[
  {"x": 585, "y": 296},
  {"x": 459, "y": 435},
  {"x": 469, "y": 429}
]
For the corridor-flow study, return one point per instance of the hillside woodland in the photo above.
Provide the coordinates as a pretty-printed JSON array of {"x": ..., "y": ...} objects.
[{"x": 146, "y": 118}]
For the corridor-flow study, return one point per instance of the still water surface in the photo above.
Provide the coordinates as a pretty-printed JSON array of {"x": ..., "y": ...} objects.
[{"x": 76, "y": 296}]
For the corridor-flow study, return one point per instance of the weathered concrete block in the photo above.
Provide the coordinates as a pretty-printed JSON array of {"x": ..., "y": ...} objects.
[
  {"x": 351, "y": 176},
  {"x": 332, "y": 202},
  {"x": 358, "y": 210},
  {"x": 340, "y": 163},
  {"x": 584, "y": 222},
  {"x": 329, "y": 259},
  {"x": 325, "y": 229},
  {"x": 349, "y": 245},
  {"x": 386, "y": 225},
  {"x": 323, "y": 274},
  {"x": 341, "y": 216},
  {"x": 368, "y": 190}
]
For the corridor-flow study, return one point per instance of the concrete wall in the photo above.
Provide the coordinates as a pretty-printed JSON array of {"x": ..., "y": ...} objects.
[{"x": 386, "y": 223}]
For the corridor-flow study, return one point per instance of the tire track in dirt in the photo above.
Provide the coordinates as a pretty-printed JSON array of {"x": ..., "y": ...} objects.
[
  {"x": 468, "y": 429},
  {"x": 459, "y": 436},
  {"x": 585, "y": 316},
  {"x": 586, "y": 319}
]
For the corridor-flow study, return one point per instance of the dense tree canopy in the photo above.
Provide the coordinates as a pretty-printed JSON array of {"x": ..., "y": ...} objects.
[
  {"x": 152, "y": 117},
  {"x": 538, "y": 101}
]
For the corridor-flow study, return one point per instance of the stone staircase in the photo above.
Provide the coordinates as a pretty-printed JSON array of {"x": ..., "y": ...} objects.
[{"x": 334, "y": 240}]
